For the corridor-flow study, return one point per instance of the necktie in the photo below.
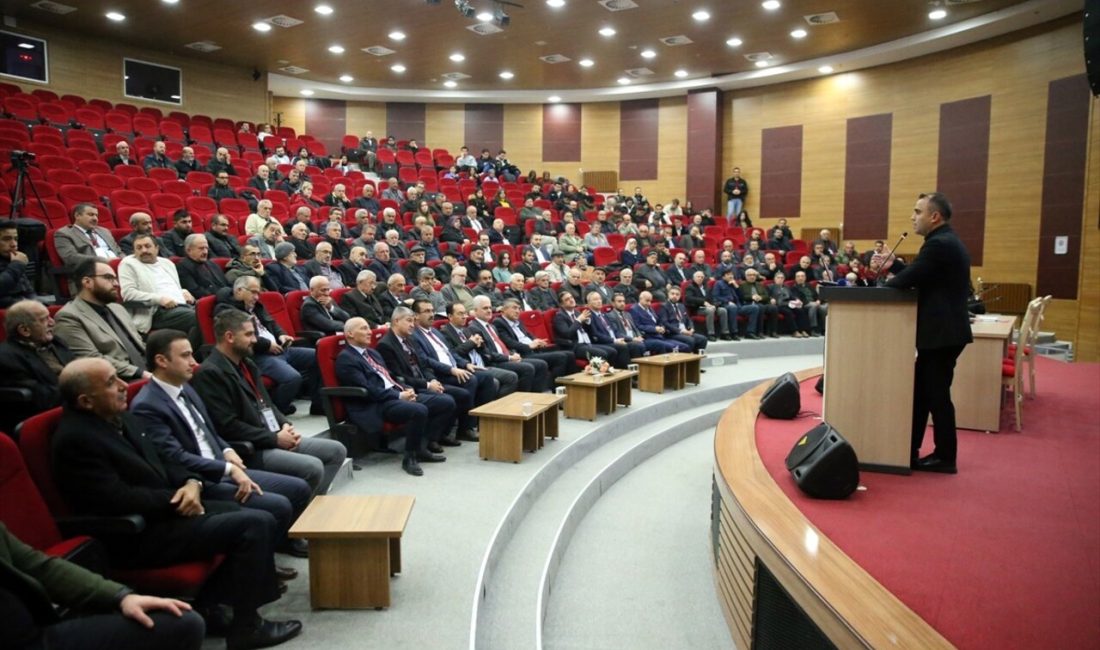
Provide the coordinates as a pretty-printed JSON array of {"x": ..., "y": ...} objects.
[
  {"x": 94, "y": 239},
  {"x": 200, "y": 423},
  {"x": 380, "y": 369},
  {"x": 137, "y": 358},
  {"x": 503, "y": 349},
  {"x": 475, "y": 356},
  {"x": 413, "y": 363},
  {"x": 582, "y": 336}
]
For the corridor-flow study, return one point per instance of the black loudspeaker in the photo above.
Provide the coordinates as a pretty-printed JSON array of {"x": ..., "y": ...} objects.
[
  {"x": 782, "y": 400},
  {"x": 820, "y": 385},
  {"x": 1092, "y": 44},
  {"x": 823, "y": 464}
]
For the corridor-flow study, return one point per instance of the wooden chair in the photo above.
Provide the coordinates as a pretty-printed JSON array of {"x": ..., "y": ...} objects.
[{"x": 1012, "y": 368}]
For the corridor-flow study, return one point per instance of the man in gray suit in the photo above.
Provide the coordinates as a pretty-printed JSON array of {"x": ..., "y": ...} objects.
[
  {"x": 84, "y": 240},
  {"x": 94, "y": 325}
]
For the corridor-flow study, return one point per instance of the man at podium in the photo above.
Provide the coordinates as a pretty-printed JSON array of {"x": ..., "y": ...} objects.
[{"x": 941, "y": 275}]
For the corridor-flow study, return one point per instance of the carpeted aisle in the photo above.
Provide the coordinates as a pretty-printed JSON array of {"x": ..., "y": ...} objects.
[{"x": 1006, "y": 554}]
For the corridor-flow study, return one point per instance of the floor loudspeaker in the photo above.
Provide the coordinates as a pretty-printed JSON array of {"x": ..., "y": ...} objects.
[
  {"x": 823, "y": 464},
  {"x": 782, "y": 400}
]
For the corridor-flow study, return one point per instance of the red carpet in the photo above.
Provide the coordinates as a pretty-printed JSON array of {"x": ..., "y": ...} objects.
[{"x": 1006, "y": 554}]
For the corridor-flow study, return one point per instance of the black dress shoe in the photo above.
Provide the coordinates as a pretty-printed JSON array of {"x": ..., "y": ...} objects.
[
  {"x": 263, "y": 635},
  {"x": 411, "y": 466},
  {"x": 294, "y": 547},
  {"x": 448, "y": 442},
  {"x": 469, "y": 436},
  {"x": 712, "y": 338},
  {"x": 285, "y": 573},
  {"x": 218, "y": 620},
  {"x": 434, "y": 448},
  {"x": 316, "y": 409},
  {"x": 282, "y": 588},
  {"x": 734, "y": 337},
  {"x": 932, "y": 463},
  {"x": 425, "y": 457},
  {"x": 289, "y": 410}
]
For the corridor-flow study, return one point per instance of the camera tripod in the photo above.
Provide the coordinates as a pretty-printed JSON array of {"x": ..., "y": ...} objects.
[{"x": 31, "y": 231}]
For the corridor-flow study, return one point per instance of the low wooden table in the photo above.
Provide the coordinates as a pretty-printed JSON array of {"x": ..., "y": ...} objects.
[
  {"x": 505, "y": 430},
  {"x": 673, "y": 371},
  {"x": 976, "y": 391},
  {"x": 354, "y": 548},
  {"x": 586, "y": 394}
]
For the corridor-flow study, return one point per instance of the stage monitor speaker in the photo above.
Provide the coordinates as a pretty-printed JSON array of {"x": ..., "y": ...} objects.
[
  {"x": 782, "y": 400},
  {"x": 823, "y": 464},
  {"x": 1092, "y": 44}
]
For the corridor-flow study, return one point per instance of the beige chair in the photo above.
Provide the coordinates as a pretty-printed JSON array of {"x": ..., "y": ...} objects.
[
  {"x": 1036, "y": 310},
  {"x": 1012, "y": 369}
]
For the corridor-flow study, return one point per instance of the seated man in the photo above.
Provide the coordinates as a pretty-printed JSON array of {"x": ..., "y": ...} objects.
[
  {"x": 653, "y": 279},
  {"x": 320, "y": 313},
  {"x": 94, "y": 325},
  {"x": 266, "y": 241},
  {"x": 516, "y": 291},
  {"x": 299, "y": 239},
  {"x": 85, "y": 239},
  {"x": 362, "y": 300},
  {"x": 624, "y": 327},
  {"x": 198, "y": 275},
  {"x": 187, "y": 163},
  {"x": 15, "y": 285},
  {"x": 334, "y": 236},
  {"x": 816, "y": 311},
  {"x": 321, "y": 267},
  {"x": 541, "y": 296},
  {"x": 796, "y": 318},
  {"x": 140, "y": 223},
  {"x": 604, "y": 334},
  {"x": 105, "y": 466},
  {"x": 182, "y": 225},
  {"x": 425, "y": 290},
  {"x": 107, "y": 610},
  {"x": 152, "y": 293},
  {"x": 626, "y": 287},
  {"x": 248, "y": 264},
  {"x": 425, "y": 415},
  {"x": 174, "y": 418},
  {"x": 122, "y": 155},
  {"x": 158, "y": 158},
  {"x": 753, "y": 291},
  {"x": 698, "y": 301},
  {"x": 650, "y": 323},
  {"x": 284, "y": 274},
  {"x": 509, "y": 328},
  {"x": 471, "y": 354},
  {"x": 726, "y": 295},
  {"x": 679, "y": 324},
  {"x": 355, "y": 264},
  {"x": 573, "y": 331},
  {"x": 222, "y": 244},
  {"x": 456, "y": 290},
  {"x": 231, "y": 386},
  {"x": 293, "y": 369},
  {"x": 31, "y": 358}
]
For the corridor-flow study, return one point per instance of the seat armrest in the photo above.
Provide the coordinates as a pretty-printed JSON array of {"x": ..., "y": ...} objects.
[
  {"x": 243, "y": 448},
  {"x": 344, "y": 391},
  {"x": 308, "y": 338},
  {"x": 96, "y": 526},
  {"x": 15, "y": 394}
]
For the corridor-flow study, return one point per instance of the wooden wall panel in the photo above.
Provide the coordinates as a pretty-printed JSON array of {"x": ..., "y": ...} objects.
[
  {"x": 599, "y": 146},
  {"x": 367, "y": 116},
  {"x": 781, "y": 172},
  {"x": 326, "y": 119},
  {"x": 444, "y": 126},
  {"x": 485, "y": 127},
  {"x": 561, "y": 132},
  {"x": 289, "y": 111},
  {"x": 405, "y": 121},
  {"x": 671, "y": 171},
  {"x": 523, "y": 135},
  {"x": 638, "y": 143},
  {"x": 963, "y": 173},
  {"x": 867, "y": 176},
  {"x": 704, "y": 173}
]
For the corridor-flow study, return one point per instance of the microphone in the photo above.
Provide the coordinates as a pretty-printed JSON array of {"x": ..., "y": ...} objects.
[{"x": 878, "y": 274}]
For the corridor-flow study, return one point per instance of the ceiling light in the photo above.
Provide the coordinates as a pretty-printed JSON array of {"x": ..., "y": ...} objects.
[
  {"x": 397, "y": 67},
  {"x": 681, "y": 73},
  {"x": 770, "y": 5},
  {"x": 485, "y": 16},
  {"x": 761, "y": 64},
  {"x": 702, "y": 15},
  {"x": 734, "y": 42},
  {"x": 336, "y": 49},
  {"x": 799, "y": 33},
  {"x": 324, "y": 10},
  {"x": 556, "y": 4},
  {"x": 553, "y": 99},
  {"x": 397, "y": 36},
  {"x": 170, "y": 2},
  {"x": 457, "y": 57},
  {"x": 450, "y": 83},
  {"x": 506, "y": 75},
  {"x": 825, "y": 69},
  {"x": 607, "y": 31},
  {"x": 307, "y": 92},
  {"x": 623, "y": 81},
  {"x": 173, "y": 96},
  {"x": 261, "y": 26},
  {"x": 937, "y": 14},
  {"x": 586, "y": 63},
  {"x": 115, "y": 16},
  {"x": 648, "y": 54},
  {"x": 347, "y": 78}
]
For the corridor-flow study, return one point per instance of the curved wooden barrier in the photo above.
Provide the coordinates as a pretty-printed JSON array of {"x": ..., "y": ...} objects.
[{"x": 754, "y": 522}]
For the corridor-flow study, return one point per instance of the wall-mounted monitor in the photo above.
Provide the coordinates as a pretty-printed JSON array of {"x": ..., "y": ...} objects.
[
  {"x": 152, "y": 82},
  {"x": 24, "y": 57}
]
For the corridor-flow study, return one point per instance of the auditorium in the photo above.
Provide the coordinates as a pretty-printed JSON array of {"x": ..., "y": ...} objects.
[{"x": 524, "y": 324}]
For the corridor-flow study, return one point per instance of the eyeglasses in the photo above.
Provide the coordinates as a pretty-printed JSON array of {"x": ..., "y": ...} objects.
[{"x": 110, "y": 277}]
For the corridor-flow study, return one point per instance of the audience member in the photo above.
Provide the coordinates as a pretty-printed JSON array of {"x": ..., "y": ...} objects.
[
  {"x": 222, "y": 244},
  {"x": 152, "y": 294},
  {"x": 15, "y": 285},
  {"x": 198, "y": 275}
]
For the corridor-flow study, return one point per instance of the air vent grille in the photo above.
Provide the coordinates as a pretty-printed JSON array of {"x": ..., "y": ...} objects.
[{"x": 54, "y": 7}]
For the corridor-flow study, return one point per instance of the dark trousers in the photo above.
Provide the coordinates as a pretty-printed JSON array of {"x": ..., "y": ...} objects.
[
  {"x": 285, "y": 497},
  {"x": 608, "y": 353},
  {"x": 294, "y": 372},
  {"x": 558, "y": 364},
  {"x": 526, "y": 374},
  {"x": 694, "y": 342},
  {"x": 111, "y": 631},
  {"x": 426, "y": 419},
  {"x": 182, "y": 318},
  {"x": 464, "y": 401},
  {"x": 935, "y": 369}
]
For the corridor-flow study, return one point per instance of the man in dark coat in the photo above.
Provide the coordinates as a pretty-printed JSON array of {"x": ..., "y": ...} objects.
[{"x": 30, "y": 359}]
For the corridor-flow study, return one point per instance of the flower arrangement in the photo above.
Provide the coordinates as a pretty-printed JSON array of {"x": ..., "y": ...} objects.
[{"x": 597, "y": 366}]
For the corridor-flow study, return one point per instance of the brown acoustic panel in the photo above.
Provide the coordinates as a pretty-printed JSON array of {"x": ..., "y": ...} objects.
[
  {"x": 780, "y": 172},
  {"x": 327, "y": 120},
  {"x": 484, "y": 127},
  {"x": 867, "y": 176},
  {"x": 561, "y": 132},
  {"x": 963, "y": 171},
  {"x": 704, "y": 149},
  {"x": 638, "y": 139},
  {"x": 1062, "y": 209},
  {"x": 405, "y": 121}
]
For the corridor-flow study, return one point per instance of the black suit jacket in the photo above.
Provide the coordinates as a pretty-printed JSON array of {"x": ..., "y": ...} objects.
[
  {"x": 227, "y": 301},
  {"x": 461, "y": 346},
  {"x": 286, "y": 280},
  {"x": 317, "y": 318},
  {"x": 223, "y": 247},
  {"x": 504, "y": 330},
  {"x": 404, "y": 366},
  {"x": 542, "y": 299},
  {"x": 261, "y": 185},
  {"x": 566, "y": 328},
  {"x": 352, "y": 370},
  {"x": 165, "y": 426},
  {"x": 21, "y": 367},
  {"x": 941, "y": 275},
  {"x": 368, "y": 307},
  {"x": 200, "y": 278},
  {"x": 232, "y": 403},
  {"x": 487, "y": 350}
]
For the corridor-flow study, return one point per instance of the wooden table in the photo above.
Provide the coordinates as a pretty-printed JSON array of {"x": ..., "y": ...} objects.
[
  {"x": 505, "y": 430},
  {"x": 672, "y": 371},
  {"x": 976, "y": 390},
  {"x": 354, "y": 548},
  {"x": 587, "y": 394}
]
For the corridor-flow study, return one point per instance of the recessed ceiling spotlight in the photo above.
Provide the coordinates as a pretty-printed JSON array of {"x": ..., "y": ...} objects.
[
  {"x": 347, "y": 78},
  {"x": 505, "y": 74},
  {"x": 825, "y": 69},
  {"x": 450, "y": 83},
  {"x": 324, "y": 10},
  {"x": 607, "y": 31},
  {"x": 734, "y": 42},
  {"x": 261, "y": 26},
  {"x": 397, "y": 67},
  {"x": 681, "y": 73},
  {"x": 556, "y": 4},
  {"x": 623, "y": 81},
  {"x": 485, "y": 16},
  {"x": 397, "y": 35},
  {"x": 553, "y": 99},
  {"x": 336, "y": 49},
  {"x": 115, "y": 16},
  {"x": 586, "y": 63},
  {"x": 458, "y": 57},
  {"x": 761, "y": 64},
  {"x": 799, "y": 33},
  {"x": 770, "y": 5},
  {"x": 170, "y": 2},
  {"x": 648, "y": 54},
  {"x": 937, "y": 14},
  {"x": 307, "y": 92},
  {"x": 702, "y": 15}
]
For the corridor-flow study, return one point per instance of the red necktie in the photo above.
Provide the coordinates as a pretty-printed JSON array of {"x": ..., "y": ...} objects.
[
  {"x": 496, "y": 339},
  {"x": 380, "y": 369}
]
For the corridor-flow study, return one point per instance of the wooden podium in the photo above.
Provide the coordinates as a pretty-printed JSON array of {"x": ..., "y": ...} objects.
[{"x": 870, "y": 347}]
